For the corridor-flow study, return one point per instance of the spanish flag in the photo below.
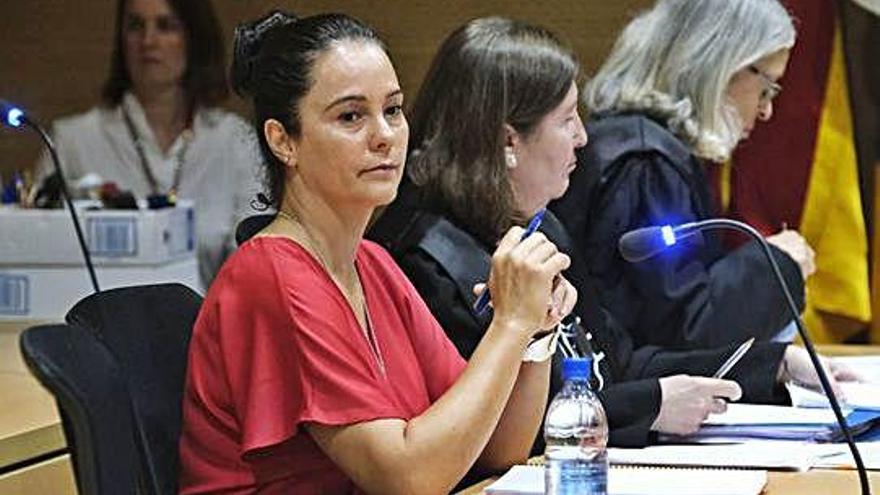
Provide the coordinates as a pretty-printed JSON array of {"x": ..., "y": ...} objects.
[{"x": 799, "y": 170}]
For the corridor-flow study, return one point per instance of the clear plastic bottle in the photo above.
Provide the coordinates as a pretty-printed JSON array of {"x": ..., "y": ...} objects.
[{"x": 576, "y": 432}]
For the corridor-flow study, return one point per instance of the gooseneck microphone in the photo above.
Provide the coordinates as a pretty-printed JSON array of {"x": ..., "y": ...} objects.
[
  {"x": 15, "y": 117},
  {"x": 641, "y": 244}
]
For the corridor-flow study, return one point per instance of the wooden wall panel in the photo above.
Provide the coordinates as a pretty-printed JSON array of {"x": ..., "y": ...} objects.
[{"x": 54, "y": 54}]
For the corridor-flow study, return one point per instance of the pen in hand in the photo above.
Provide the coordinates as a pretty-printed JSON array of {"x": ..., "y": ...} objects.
[
  {"x": 482, "y": 303},
  {"x": 734, "y": 358}
]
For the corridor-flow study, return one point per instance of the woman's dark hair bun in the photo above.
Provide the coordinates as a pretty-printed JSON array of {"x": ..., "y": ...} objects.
[{"x": 246, "y": 44}]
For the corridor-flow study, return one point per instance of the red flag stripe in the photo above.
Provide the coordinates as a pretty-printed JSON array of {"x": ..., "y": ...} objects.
[{"x": 772, "y": 168}]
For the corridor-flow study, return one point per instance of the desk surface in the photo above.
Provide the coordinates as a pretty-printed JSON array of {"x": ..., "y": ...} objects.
[
  {"x": 815, "y": 482},
  {"x": 29, "y": 422}
]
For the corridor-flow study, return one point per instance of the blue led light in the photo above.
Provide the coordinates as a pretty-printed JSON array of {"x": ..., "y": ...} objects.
[
  {"x": 13, "y": 117},
  {"x": 668, "y": 235}
]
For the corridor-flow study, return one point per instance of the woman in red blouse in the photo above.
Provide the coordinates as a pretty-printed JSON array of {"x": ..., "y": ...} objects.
[{"x": 315, "y": 367}]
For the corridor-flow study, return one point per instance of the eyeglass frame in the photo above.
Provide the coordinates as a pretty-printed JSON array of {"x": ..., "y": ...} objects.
[{"x": 771, "y": 88}]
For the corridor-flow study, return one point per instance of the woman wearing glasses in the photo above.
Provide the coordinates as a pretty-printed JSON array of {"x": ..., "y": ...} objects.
[{"x": 685, "y": 83}]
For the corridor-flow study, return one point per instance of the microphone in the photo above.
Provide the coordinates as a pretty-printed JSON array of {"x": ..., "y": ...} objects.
[
  {"x": 641, "y": 244},
  {"x": 15, "y": 117}
]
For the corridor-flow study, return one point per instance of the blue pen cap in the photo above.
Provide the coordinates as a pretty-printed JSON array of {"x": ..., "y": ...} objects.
[{"x": 579, "y": 368}]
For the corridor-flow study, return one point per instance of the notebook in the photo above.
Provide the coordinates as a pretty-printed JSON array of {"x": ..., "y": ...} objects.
[
  {"x": 841, "y": 457},
  {"x": 766, "y": 415},
  {"x": 865, "y": 396},
  {"x": 786, "y": 456},
  {"x": 529, "y": 480}
]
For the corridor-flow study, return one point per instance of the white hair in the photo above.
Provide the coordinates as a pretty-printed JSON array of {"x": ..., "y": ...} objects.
[{"x": 675, "y": 61}]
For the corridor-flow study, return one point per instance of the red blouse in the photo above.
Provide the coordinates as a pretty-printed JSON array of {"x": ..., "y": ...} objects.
[{"x": 276, "y": 345}]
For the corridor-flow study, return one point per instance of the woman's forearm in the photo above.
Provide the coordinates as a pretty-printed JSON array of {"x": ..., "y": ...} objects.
[
  {"x": 457, "y": 429},
  {"x": 512, "y": 439}
]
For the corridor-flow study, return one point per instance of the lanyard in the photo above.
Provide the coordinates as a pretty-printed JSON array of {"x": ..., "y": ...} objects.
[{"x": 142, "y": 155}]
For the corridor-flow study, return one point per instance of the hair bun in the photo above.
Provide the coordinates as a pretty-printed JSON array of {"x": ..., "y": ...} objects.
[{"x": 247, "y": 41}]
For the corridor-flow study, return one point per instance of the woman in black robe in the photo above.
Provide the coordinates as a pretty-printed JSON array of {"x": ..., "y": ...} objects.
[
  {"x": 493, "y": 134},
  {"x": 662, "y": 110}
]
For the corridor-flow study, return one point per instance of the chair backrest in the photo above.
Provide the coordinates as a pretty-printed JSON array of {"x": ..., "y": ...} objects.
[
  {"x": 92, "y": 398},
  {"x": 249, "y": 226},
  {"x": 147, "y": 329}
]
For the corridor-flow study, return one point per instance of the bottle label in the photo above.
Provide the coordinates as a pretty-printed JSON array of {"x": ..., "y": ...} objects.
[{"x": 568, "y": 471}]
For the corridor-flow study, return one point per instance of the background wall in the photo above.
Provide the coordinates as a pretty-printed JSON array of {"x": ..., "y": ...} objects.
[{"x": 54, "y": 54}]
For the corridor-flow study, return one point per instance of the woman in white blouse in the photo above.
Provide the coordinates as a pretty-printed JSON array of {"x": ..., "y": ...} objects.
[{"x": 158, "y": 131}]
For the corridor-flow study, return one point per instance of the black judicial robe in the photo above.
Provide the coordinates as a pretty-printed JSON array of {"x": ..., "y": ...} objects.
[
  {"x": 635, "y": 173},
  {"x": 444, "y": 261}
]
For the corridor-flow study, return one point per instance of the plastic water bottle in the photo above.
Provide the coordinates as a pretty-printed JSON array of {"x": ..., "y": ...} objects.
[{"x": 576, "y": 432}]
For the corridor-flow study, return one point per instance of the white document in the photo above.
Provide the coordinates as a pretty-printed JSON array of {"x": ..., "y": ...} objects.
[
  {"x": 836, "y": 456},
  {"x": 868, "y": 367},
  {"x": 529, "y": 480},
  {"x": 856, "y": 395},
  {"x": 757, "y": 414},
  {"x": 793, "y": 456}
]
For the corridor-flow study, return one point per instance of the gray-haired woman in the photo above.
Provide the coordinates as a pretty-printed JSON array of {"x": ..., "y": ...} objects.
[{"x": 685, "y": 82}]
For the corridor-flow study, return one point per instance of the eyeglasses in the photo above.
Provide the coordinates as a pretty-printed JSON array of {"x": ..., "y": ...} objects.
[{"x": 771, "y": 88}]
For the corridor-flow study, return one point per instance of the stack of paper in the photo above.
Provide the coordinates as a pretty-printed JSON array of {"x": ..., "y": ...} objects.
[
  {"x": 529, "y": 480},
  {"x": 743, "y": 422}
]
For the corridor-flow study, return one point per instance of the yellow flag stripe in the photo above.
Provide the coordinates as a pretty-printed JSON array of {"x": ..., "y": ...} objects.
[{"x": 832, "y": 221}]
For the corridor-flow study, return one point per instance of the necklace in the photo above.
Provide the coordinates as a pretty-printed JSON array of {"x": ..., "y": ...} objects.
[
  {"x": 312, "y": 245},
  {"x": 179, "y": 157},
  {"x": 357, "y": 300}
]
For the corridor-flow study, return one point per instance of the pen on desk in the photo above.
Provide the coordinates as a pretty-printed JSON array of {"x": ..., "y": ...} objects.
[
  {"x": 482, "y": 303},
  {"x": 734, "y": 358}
]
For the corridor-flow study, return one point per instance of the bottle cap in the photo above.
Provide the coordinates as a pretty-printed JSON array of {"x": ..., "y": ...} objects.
[{"x": 578, "y": 368}]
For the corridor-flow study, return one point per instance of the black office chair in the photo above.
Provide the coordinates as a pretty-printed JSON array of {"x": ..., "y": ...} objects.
[
  {"x": 147, "y": 330},
  {"x": 92, "y": 397},
  {"x": 249, "y": 226}
]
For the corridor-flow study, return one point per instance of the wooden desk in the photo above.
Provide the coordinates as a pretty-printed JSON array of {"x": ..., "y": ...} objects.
[
  {"x": 30, "y": 428},
  {"x": 848, "y": 350}
]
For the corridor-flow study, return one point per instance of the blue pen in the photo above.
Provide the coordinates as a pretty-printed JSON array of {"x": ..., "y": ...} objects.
[{"x": 482, "y": 303}]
